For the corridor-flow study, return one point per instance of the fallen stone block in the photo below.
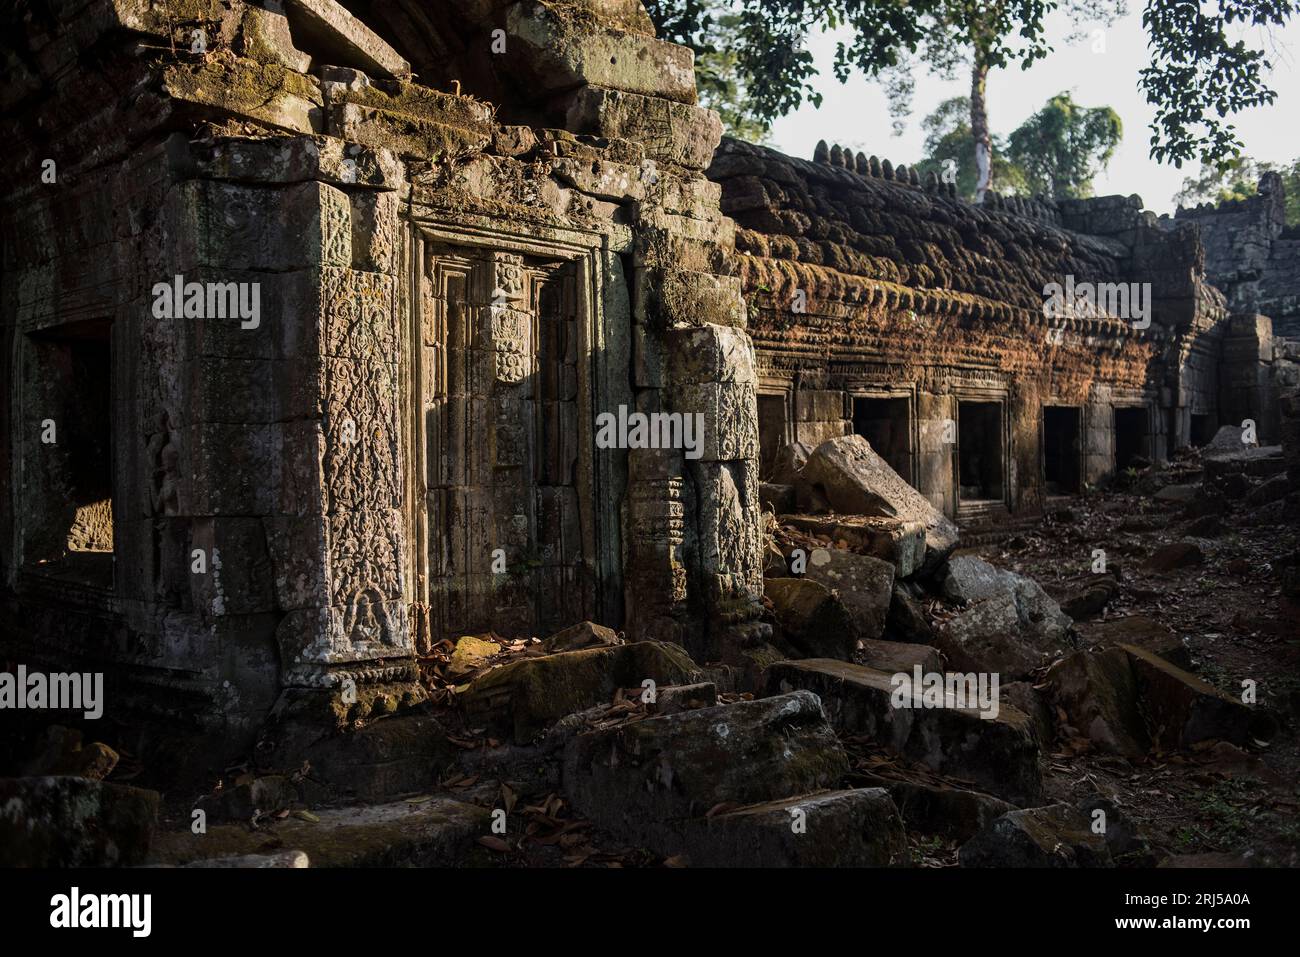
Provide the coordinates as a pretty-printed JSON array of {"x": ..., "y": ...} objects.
[
  {"x": 900, "y": 543},
  {"x": 1178, "y": 494},
  {"x": 74, "y": 822},
  {"x": 62, "y": 753},
  {"x": 1175, "y": 555},
  {"x": 907, "y": 620},
  {"x": 678, "y": 698},
  {"x": 1182, "y": 709},
  {"x": 812, "y": 618},
  {"x": 858, "y": 828},
  {"x": 1156, "y": 637},
  {"x": 527, "y": 695},
  {"x": 865, "y": 586},
  {"x": 857, "y": 481},
  {"x": 1056, "y": 836},
  {"x": 1090, "y": 599},
  {"x": 274, "y": 861},
  {"x": 953, "y": 812},
  {"x": 998, "y": 754},
  {"x": 1027, "y": 699},
  {"x": 1270, "y": 490},
  {"x": 777, "y": 499},
  {"x": 471, "y": 653},
  {"x": 330, "y": 29},
  {"x": 892, "y": 657},
  {"x": 789, "y": 462},
  {"x": 646, "y": 780},
  {"x": 1012, "y": 633},
  {"x": 1126, "y": 845},
  {"x": 1098, "y": 692},
  {"x": 244, "y": 802},
  {"x": 430, "y": 831},
  {"x": 585, "y": 634}
]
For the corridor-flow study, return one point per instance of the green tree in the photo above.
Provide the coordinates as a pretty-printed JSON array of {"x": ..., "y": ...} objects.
[
  {"x": 1207, "y": 58},
  {"x": 1238, "y": 178},
  {"x": 1063, "y": 146},
  {"x": 725, "y": 37},
  {"x": 950, "y": 152}
]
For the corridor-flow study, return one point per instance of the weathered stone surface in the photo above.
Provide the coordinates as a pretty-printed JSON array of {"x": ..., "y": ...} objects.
[
  {"x": 527, "y": 695},
  {"x": 63, "y": 753},
  {"x": 74, "y": 822},
  {"x": 777, "y": 499},
  {"x": 436, "y": 832},
  {"x": 250, "y": 800},
  {"x": 1097, "y": 690},
  {"x": 277, "y": 860},
  {"x": 1090, "y": 598},
  {"x": 1156, "y": 637},
  {"x": 561, "y": 57},
  {"x": 1055, "y": 836},
  {"x": 1270, "y": 490},
  {"x": 859, "y": 828},
  {"x": 265, "y": 92},
  {"x": 470, "y": 653},
  {"x": 585, "y": 634},
  {"x": 644, "y": 780},
  {"x": 327, "y": 26},
  {"x": 1183, "y": 710},
  {"x": 892, "y": 657},
  {"x": 1175, "y": 555},
  {"x": 1178, "y": 494},
  {"x": 790, "y": 460},
  {"x": 856, "y": 481},
  {"x": 812, "y": 618},
  {"x": 863, "y": 584},
  {"x": 678, "y": 698},
  {"x": 999, "y": 754},
  {"x": 907, "y": 620},
  {"x": 954, "y": 812},
  {"x": 901, "y": 543},
  {"x": 1012, "y": 627},
  {"x": 670, "y": 132}
]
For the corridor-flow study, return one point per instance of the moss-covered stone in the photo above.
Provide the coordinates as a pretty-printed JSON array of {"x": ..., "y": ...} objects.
[
  {"x": 245, "y": 88},
  {"x": 74, "y": 822}
]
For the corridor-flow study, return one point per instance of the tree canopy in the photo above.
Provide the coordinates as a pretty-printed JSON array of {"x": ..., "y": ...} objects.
[{"x": 1208, "y": 60}]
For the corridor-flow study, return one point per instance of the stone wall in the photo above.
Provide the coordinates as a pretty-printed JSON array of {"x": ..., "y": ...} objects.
[
  {"x": 464, "y": 255},
  {"x": 866, "y": 284},
  {"x": 1251, "y": 255}
]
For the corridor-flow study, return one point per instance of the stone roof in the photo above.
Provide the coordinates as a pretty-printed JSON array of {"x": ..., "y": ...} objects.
[{"x": 849, "y": 233}]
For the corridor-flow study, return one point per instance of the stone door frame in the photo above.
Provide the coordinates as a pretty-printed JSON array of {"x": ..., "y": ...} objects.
[{"x": 602, "y": 476}]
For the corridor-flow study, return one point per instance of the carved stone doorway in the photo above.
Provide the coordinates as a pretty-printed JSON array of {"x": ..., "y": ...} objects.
[{"x": 502, "y": 368}]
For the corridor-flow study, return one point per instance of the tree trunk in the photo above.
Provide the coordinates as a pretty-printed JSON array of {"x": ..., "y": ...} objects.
[{"x": 979, "y": 127}]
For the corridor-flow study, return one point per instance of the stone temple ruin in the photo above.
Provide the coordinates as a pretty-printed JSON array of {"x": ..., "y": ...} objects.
[{"x": 310, "y": 308}]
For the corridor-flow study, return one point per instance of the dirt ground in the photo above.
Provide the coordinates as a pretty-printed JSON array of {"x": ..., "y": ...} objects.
[{"x": 1232, "y": 616}]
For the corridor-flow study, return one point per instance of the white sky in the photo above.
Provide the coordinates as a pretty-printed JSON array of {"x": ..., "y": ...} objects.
[{"x": 856, "y": 113}]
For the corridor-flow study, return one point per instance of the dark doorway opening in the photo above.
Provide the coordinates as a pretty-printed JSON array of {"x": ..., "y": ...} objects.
[
  {"x": 771, "y": 431},
  {"x": 886, "y": 425},
  {"x": 1062, "y": 452},
  {"x": 1131, "y": 441},
  {"x": 1203, "y": 429},
  {"x": 69, "y": 484},
  {"x": 980, "y": 452}
]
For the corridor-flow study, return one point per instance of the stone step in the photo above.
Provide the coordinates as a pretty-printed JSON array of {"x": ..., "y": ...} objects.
[
  {"x": 998, "y": 753},
  {"x": 426, "y": 831}
]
